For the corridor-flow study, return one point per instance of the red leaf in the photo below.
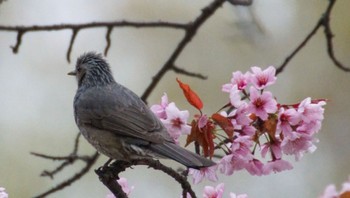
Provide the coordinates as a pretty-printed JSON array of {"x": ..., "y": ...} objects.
[
  {"x": 203, "y": 136},
  {"x": 190, "y": 95},
  {"x": 224, "y": 123}
]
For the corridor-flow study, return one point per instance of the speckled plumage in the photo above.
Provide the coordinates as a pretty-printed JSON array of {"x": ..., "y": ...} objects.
[{"x": 117, "y": 122}]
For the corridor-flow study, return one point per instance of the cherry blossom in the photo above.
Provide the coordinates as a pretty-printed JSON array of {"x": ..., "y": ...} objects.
[
  {"x": 199, "y": 175},
  {"x": 255, "y": 167},
  {"x": 273, "y": 147},
  {"x": 159, "y": 110},
  {"x": 238, "y": 79},
  {"x": 3, "y": 194},
  {"x": 261, "y": 79},
  {"x": 287, "y": 119},
  {"x": 176, "y": 121},
  {"x": 262, "y": 104},
  {"x": 211, "y": 192},
  {"x": 311, "y": 111},
  {"x": 276, "y": 166},
  {"x": 239, "y": 158},
  {"x": 235, "y": 97},
  {"x": 331, "y": 191},
  {"x": 297, "y": 144}
]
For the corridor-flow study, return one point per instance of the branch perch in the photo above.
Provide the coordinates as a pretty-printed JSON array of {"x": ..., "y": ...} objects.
[{"x": 109, "y": 174}]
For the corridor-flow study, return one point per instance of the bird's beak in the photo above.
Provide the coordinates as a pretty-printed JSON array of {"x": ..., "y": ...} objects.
[{"x": 72, "y": 73}]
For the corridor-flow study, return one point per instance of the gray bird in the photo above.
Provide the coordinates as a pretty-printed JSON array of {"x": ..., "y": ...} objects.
[{"x": 117, "y": 122}]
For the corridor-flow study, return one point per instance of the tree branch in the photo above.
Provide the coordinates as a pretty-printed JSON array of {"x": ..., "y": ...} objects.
[
  {"x": 191, "y": 30},
  {"x": 325, "y": 22},
  {"x": 77, "y": 27},
  {"x": 109, "y": 174},
  {"x": 67, "y": 160},
  {"x": 329, "y": 36}
]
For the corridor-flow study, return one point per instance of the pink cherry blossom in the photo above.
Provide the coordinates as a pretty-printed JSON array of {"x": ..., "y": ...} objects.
[
  {"x": 345, "y": 187},
  {"x": 261, "y": 79},
  {"x": 211, "y": 192},
  {"x": 278, "y": 165},
  {"x": 238, "y": 79},
  {"x": 233, "y": 195},
  {"x": 297, "y": 144},
  {"x": 274, "y": 148},
  {"x": 199, "y": 175},
  {"x": 176, "y": 121},
  {"x": 3, "y": 194},
  {"x": 261, "y": 104},
  {"x": 227, "y": 165},
  {"x": 123, "y": 182},
  {"x": 309, "y": 128},
  {"x": 287, "y": 119},
  {"x": 330, "y": 192},
  {"x": 159, "y": 110},
  {"x": 311, "y": 111},
  {"x": 240, "y": 119},
  {"x": 255, "y": 167},
  {"x": 242, "y": 115},
  {"x": 240, "y": 156},
  {"x": 235, "y": 97}
]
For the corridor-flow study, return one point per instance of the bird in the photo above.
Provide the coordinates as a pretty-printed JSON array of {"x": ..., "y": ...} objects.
[{"x": 115, "y": 121}]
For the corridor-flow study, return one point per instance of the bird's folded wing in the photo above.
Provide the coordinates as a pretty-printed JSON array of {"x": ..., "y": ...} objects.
[{"x": 120, "y": 111}]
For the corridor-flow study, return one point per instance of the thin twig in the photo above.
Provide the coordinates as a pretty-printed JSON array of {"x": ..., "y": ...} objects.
[
  {"x": 323, "y": 21},
  {"x": 74, "y": 178},
  {"x": 108, "y": 39},
  {"x": 77, "y": 27},
  {"x": 18, "y": 41},
  {"x": 191, "y": 30},
  {"x": 329, "y": 36},
  {"x": 71, "y": 42},
  {"x": 187, "y": 73}
]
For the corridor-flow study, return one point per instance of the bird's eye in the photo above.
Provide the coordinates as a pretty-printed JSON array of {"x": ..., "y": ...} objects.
[{"x": 78, "y": 69}]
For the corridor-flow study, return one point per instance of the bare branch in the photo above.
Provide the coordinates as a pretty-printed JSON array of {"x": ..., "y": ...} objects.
[
  {"x": 67, "y": 160},
  {"x": 187, "y": 73},
  {"x": 74, "y": 178},
  {"x": 77, "y": 27},
  {"x": 109, "y": 174},
  {"x": 299, "y": 47},
  {"x": 108, "y": 39},
  {"x": 66, "y": 26},
  {"x": 191, "y": 30},
  {"x": 74, "y": 34},
  {"x": 18, "y": 41},
  {"x": 329, "y": 37},
  {"x": 325, "y": 22}
]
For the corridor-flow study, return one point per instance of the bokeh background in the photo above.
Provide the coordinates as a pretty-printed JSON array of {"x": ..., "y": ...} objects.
[{"x": 36, "y": 94}]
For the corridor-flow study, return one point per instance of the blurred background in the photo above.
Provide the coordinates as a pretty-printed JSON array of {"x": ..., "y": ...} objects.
[{"x": 36, "y": 97}]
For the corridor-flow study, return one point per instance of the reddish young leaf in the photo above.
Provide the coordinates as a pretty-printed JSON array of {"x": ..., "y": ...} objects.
[
  {"x": 345, "y": 194},
  {"x": 224, "y": 123},
  {"x": 270, "y": 126},
  {"x": 203, "y": 136},
  {"x": 190, "y": 95}
]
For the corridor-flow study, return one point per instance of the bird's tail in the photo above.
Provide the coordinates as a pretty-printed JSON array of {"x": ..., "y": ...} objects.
[{"x": 181, "y": 155}]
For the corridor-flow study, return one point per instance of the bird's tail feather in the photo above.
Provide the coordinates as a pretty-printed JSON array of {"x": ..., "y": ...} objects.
[{"x": 181, "y": 155}]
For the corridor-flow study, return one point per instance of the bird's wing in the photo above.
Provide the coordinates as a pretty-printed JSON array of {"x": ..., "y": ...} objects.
[{"x": 116, "y": 109}]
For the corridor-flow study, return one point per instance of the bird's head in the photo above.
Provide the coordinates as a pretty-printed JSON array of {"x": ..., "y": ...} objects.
[{"x": 92, "y": 69}]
